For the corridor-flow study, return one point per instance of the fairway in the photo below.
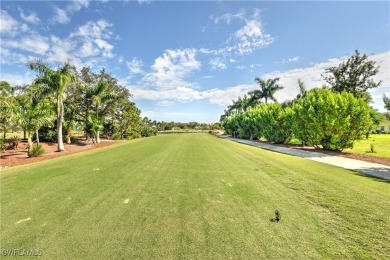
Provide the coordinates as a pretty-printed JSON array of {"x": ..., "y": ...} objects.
[{"x": 192, "y": 196}]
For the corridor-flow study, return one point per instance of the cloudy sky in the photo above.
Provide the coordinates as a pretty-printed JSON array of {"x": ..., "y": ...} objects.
[{"x": 186, "y": 61}]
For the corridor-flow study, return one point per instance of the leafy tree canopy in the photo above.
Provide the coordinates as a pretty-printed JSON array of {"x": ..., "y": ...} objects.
[{"x": 355, "y": 76}]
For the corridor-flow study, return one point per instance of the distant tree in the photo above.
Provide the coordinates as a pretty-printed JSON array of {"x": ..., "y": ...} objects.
[
  {"x": 127, "y": 116},
  {"x": 266, "y": 91},
  {"x": 376, "y": 117},
  {"x": 54, "y": 82},
  {"x": 354, "y": 75},
  {"x": 386, "y": 100}
]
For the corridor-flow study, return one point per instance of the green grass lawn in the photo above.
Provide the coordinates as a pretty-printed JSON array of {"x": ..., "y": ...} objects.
[
  {"x": 192, "y": 197},
  {"x": 381, "y": 144}
]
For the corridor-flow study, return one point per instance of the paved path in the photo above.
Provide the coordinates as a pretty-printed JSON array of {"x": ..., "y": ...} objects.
[{"x": 373, "y": 169}]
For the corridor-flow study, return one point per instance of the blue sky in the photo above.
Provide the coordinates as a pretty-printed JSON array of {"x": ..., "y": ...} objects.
[{"x": 186, "y": 61}]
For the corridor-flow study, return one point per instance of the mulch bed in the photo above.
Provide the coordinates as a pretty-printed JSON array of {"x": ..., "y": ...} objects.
[{"x": 10, "y": 158}]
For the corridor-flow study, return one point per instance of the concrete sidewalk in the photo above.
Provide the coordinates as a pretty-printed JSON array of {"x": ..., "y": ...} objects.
[{"x": 373, "y": 169}]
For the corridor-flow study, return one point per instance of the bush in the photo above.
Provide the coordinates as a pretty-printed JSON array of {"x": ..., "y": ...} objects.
[
  {"x": 133, "y": 135},
  {"x": 2, "y": 145},
  {"x": 274, "y": 122},
  {"x": 36, "y": 151},
  {"x": 332, "y": 120},
  {"x": 148, "y": 131},
  {"x": 116, "y": 136}
]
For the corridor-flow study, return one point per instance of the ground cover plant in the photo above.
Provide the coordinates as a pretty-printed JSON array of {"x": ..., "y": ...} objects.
[{"x": 192, "y": 196}]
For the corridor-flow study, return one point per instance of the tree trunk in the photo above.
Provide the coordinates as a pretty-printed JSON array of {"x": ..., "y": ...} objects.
[
  {"x": 24, "y": 134},
  {"x": 59, "y": 128},
  {"x": 5, "y": 132},
  {"x": 29, "y": 141},
  {"x": 68, "y": 141},
  {"x": 97, "y": 137},
  {"x": 37, "y": 136}
]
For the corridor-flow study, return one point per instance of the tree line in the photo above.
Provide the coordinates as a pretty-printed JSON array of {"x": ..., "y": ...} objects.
[
  {"x": 331, "y": 117},
  {"x": 61, "y": 100}
]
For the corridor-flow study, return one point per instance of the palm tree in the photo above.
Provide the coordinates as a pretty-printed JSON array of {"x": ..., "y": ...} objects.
[
  {"x": 99, "y": 94},
  {"x": 94, "y": 126},
  {"x": 302, "y": 89},
  {"x": 245, "y": 103},
  {"x": 54, "y": 82},
  {"x": 268, "y": 89},
  {"x": 33, "y": 118},
  {"x": 255, "y": 97}
]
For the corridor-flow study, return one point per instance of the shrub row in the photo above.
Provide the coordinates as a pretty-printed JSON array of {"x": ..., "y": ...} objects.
[{"x": 322, "y": 118}]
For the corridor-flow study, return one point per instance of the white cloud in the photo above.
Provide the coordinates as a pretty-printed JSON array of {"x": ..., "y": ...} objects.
[
  {"x": 89, "y": 44},
  {"x": 8, "y": 25},
  {"x": 77, "y": 5},
  {"x": 221, "y": 97},
  {"x": 224, "y": 97},
  {"x": 217, "y": 63},
  {"x": 165, "y": 103},
  {"x": 141, "y": 2},
  {"x": 34, "y": 43},
  {"x": 105, "y": 47},
  {"x": 61, "y": 16},
  {"x": 229, "y": 17},
  {"x": 8, "y": 57},
  {"x": 170, "y": 69},
  {"x": 17, "y": 79},
  {"x": 31, "y": 18},
  {"x": 88, "y": 49},
  {"x": 249, "y": 38},
  {"x": 181, "y": 94},
  {"x": 289, "y": 60},
  {"x": 135, "y": 66},
  {"x": 100, "y": 29}
]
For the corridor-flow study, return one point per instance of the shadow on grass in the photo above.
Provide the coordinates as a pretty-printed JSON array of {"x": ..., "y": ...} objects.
[{"x": 381, "y": 174}]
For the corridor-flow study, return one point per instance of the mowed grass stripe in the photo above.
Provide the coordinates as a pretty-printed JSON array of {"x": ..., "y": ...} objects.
[{"x": 192, "y": 196}]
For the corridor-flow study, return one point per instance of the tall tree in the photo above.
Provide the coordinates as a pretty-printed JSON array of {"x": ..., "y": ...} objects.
[
  {"x": 128, "y": 119},
  {"x": 354, "y": 75},
  {"x": 267, "y": 89},
  {"x": 54, "y": 82},
  {"x": 99, "y": 94},
  {"x": 386, "y": 100}
]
